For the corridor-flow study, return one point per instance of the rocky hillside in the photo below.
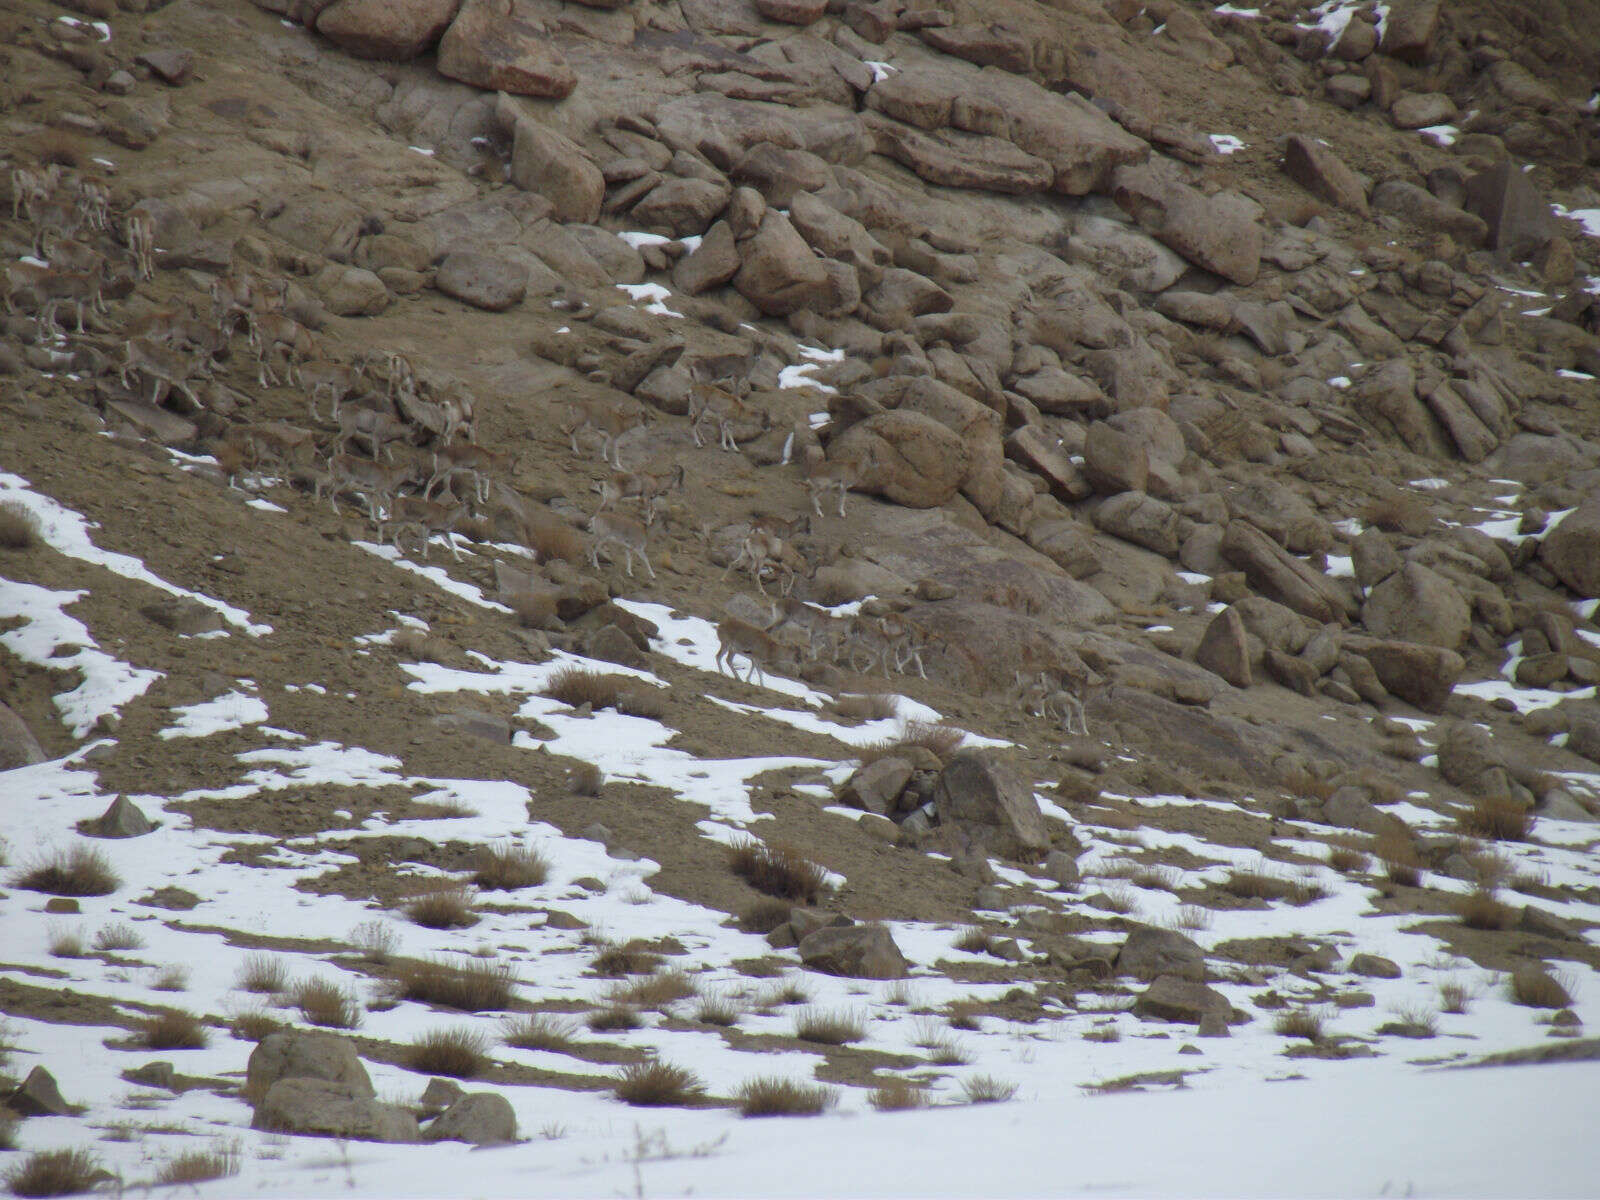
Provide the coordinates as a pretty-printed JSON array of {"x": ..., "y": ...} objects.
[{"x": 752, "y": 557}]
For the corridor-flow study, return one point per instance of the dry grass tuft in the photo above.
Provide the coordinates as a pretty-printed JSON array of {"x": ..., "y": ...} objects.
[
  {"x": 80, "y": 871},
  {"x": 266, "y": 974},
  {"x": 1534, "y": 987},
  {"x": 941, "y": 741},
  {"x": 873, "y": 706},
  {"x": 1193, "y": 917},
  {"x": 66, "y": 942},
  {"x": 625, "y": 958},
  {"x": 1454, "y": 997},
  {"x": 459, "y": 1053},
  {"x": 974, "y": 940},
  {"x": 327, "y": 1004},
  {"x": 173, "y": 978},
  {"x": 420, "y": 645},
  {"x": 720, "y": 1011},
  {"x": 1257, "y": 885},
  {"x": 200, "y": 1166},
  {"x": 1346, "y": 859},
  {"x": 173, "y": 1030},
  {"x": 764, "y": 915},
  {"x": 578, "y": 686},
  {"x": 1412, "y": 1021},
  {"x": 986, "y": 1089},
  {"x": 656, "y": 1084},
  {"x": 1105, "y": 1033},
  {"x": 653, "y": 991},
  {"x": 778, "y": 869},
  {"x": 54, "y": 1173},
  {"x": 772, "y": 1096},
  {"x": 481, "y": 986},
  {"x": 947, "y": 1050},
  {"x": 449, "y": 908},
  {"x": 1398, "y": 853},
  {"x": 509, "y": 867},
  {"x": 376, "y": 940},
  {"x": 255, "y": 1025},
  {"x": 1120, "y": 899},
  {"x": 537, "y": 1031},
  {"x": 1480, "y": 909},
  {"x": 614, "y": 1018},
  {"x": 8, "y": 1129},
  {"x": 19, "y": 528},
  {"x": 1498, "y": 818},
  {"x": 121, "y": 936},
  {"x": 829, "y": 1028},
  {"x": 585, "y": 779},
  {"x": 897, "y": 1095},
  {"x": 1299, "y": 1022}
]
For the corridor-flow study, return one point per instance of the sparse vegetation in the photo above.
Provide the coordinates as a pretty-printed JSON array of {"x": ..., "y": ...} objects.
[
  {"x": 324, "y": 1003},
  {"x": 1481, "y": 909},
  {"x": 173, "y": 978},
  {"x": 789, "y": 990},
  {"x": 537, "y": 1031},
  {"x": 764, "y": 915},
  {"x": 1499, "y": 818},
  {"x": 614, "y": 1018},
  {"x": 653, "y": 991},
  {"x": 974, "y": 940},
  {"x": 578, "y": 686},
  {"x": 585, "y": 778},
  {"x": 870, "y": 706},
  {"x": 479, "y": 986},
  {"x": 941, "y": 741},
  {"x": 1192, "y": 917},
  {"x": 509, "y": 867},
  {"x": 897, "y": 1095},
  {"x": 1454, "y": 997},
  {"x": 254, "y": 1025},
  {"x": 947, "y": 1050},
  {"x": 266, "y": 974},
  {"x": 65, "y": 941},
  {"x": 1257, "y": 885},
  {"x": 418, "y": 644},
  {"x": 1535, "y": 987},
  {"x": 376, "y": 940},
  {"x": 778, "y": 869},
  {"x": 829, "y": 1028},
  {"x": 1103, "y": 1033},
  {"x": 773, "y": 1096},
  {"x": 54, "y": 1173},
  {"x": 19, "y": 528},
  {"x": 459, "y": 1053},
  {"x": 534, "y": 610},
  {"x": 549, "y": 537},
  {"x": 172, "y": 1030},
  {"x": 717, "y": 1010},
  {"x": 986, "y": 1089},
  {"x": 121, "y": 936},
  {"x": 80, "y": 871},
  {"x": 200, "y": 1166},
  {"x": 448, "y": 908},
  {"x": 1398, "y": 853},
  {"x": 1412, "y": 1021},
  {"x": 8, "y": 1130},
  {"x": 625, "y": 958},
  {"x": 1299, "y": 1023},
  {"x": 1120, "y": 899},
  {"x": 656, "y": 1084},
  {"x": 1346, "y": 859}
]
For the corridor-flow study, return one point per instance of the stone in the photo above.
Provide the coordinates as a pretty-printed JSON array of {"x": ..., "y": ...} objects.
[
  {"x": 123, "y": 819},
  {"x": 183, "y": 616},
  {"x": 1421, "y": 675},
  {"x": 1149, "y": 953},
  {"x": 951, "y": 158},
  {"x": 856, "y": 952},
  {"x": 1373, "y": 966},
  {"x": 1219, "y": 233},
  {"x": 488, "y": 281},
  {"x": 1571, "y": 550},
  {"x": 899, "y": 296},
  {"x": 610, "y": 644},
  {"x": 977, "y": 793},
  {"x": 439, "y": 1095},
  {"x": 1583, "y": 735},
  {"x": 1414, "y": 110},
  {"x": 711, "y": 264},
  {"x": 905, "y": 457},
  {"x": 491, "y": 45},
  {"x": 1224, "y": 650},
  {"x": 1062, "y": 867},
  {"x": 1323, "y": 173},
  {"x": 1417, "y": 604},
  {"x": 1174, "y": 998},
  {"x": 1374, "y": 557},
  {"x": 1114, "y": 461},
  {"x": 1422, "y": 209},
  {"x": 1347, "y": 90},
  {"x": 1141, "y": 519},
  {"x": 329, "y": 1109},
  {"x": 1541, "y": 670},
  {"x": 1352, "y": 808},
  {"x": 681, "y": 207},
  {"x": 778, "y": 272},
  {"x": 319, "y": 1056},
  {"x": 488, "y": 726},
  {"x": 172, "y": 65},
  {"x": 1409, "y": 31},
  {"x": 792, "y": 12},
  {"x": 1541, "y": 923},
  {"x": 18, "y": 746},
  {"x": 1280, "y": 576},
  {"x": 152, "y": 1074},
  {"x": 1126, "y": 257},
  {"x": 351, "y": 291},
  {"x": 393, "y": 30},
  {"x": 39, "y": 1096},
  {"x": 876, "y": 787},
  {"x": 482, "y": 1118},
  {"x": 555, "y": 167}
]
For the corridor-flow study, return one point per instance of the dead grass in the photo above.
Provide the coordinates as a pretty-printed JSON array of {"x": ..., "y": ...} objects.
[
  {"x": 987, "y": 1089},
  {"x": 509, "y": 867},
  {"x": 872, "y": 706},
  {"x": 200, "y": 1166},
  {"x": 836, "y": 1028},
  {"x": 1481, "y": 909},
  {"x": 19, "y": 528},
  {"x": 764, "y": 915},
  {"x": 1412, "y": 1021},
  {"x": 625, "y": 958},
  {"x": 1498, "y": 818},
  {"x": 942, "y": 741},
  {"x": 480, "y": 986},
  {"x": 1120, "y": 899},
  {"x": 376, "y": 940},
  {"x": 614, "y": 1018},
  {"x": 172, "y": 978},
  {"x": 653, "y": 991},
  {"x": 1534, "y": 987},
  {"x": 773, "y": 1096},
  {"x": 578, "y": 686},
  {"x": 974, "y": 940},
  {"x": 449, "y": 908},
  {"x": 1299, "y": 1023},
  {"x": 60, "y": 147},
  {"x": 778, "y": 869},
  {"x": 1257, "y": 885},
  {"x": 1192, "y": 917},
  {"x": 327, "y": 1004},
  {"x": 1346, "y": 859},
  {"x": 585, "y": 779},
  {"x": 790, "y": 990},
  {"x": 1105, "y": 1033},
  {"x": 459, "y": 1053},
  {"x": 255, "y": 1025},
  {"x": 266, "y": 974},
  {"x": 656, "y": 1084},
  {"x": 418, "y": 644},
  {"x": 537, "y": 1031},
  {"x": 897, "y": 1095},
  {"x": 66, "y": 942},
  {"x": 120, "y": 936},
  {"x": 1398, "y": 853},
  {"x": 947, "y": 1050},
  {"x": 717, "y": 1010},
  {"x": 1454, "y": 997},
  {"x": 54, "y": 1173},
  {"x": 8, "y": 1129},
  {"x": 80, "y": 871},
  {"x": 172, "y": 1030}
]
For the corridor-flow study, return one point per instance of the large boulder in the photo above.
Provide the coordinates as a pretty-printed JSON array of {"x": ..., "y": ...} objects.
[
  {"x": 18, "y": 746},
  {"x": 778, "y": 272},
  {"x": 681, "y": 207},
  {"x": 1224, "y": 650},
  {"x": 328, "y": 1109},
  {"x": 386, "y": 29},
  {"x": 1572, "y": 549},
  {"x": 1423, "y": 209},
  {"x": 552, "y": 165},
  {"x": 1150, "y": 953},
  {"x": 1114, "y": 461},
  {"x": 1421, "y": 675},
  {"x": 1219, "y": 233},
  {"x": 994, "y": 806},
  {"x": 905, "y": 457},
  {"x": 854, "y": 951},
  {"x": 482, "y": 1118},
  {"x": 1323, "y": 173},
  {"x": 1416, "y": 604},
  {"x": 122, "y": 819},
  {"x": 490, "y": 45},
  {"x": 487, "y": 281},
  {"x": 711, "y": 264},
  {"x": 1175, "y": 998},
  {"x": 1409, "y": 31},
  {"x": 1141, "y": 519},
  {"x": 321, "y": 1056},
  {"x": 1281, "y": 576}
]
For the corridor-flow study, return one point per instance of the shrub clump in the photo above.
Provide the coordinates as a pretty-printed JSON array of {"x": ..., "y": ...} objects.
[
  {"x": 1299, "y": 1022},
  {"x": 80, "y": 871},
  {"x": 942, "y": 741},
  {"x": 509, "y": 867},
  {"x": 578, "y": 686},
  {"x": 460, "y": 1053},
  {"x": 778, "y": 869},
  {"x": 1499, "y": 818},
  {"x": 656, "y": 1084},
  {"x": 450, "y": 908},
  {"x": 327, "y": 1004},
  {"x": 897, "y": 1095},
  {"x": 986, "y": 1089},
  {"x": 200, "y": 1166},
  {"x": 625, "y": 958},
  {"x": 54, "y": 1173},
  {"x": 172, "y": 1030},
  {"x": 19, "y": 528},
  {"x": 829, "y": 1028},
  {"x": 483, "y": 986},
  {"x": 537, "y": 1031},
  {"x": 773, "y": 1096},
  {"x": 1481, "y": 909}
]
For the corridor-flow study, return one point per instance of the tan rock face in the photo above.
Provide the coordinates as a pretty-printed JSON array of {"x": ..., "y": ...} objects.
[
  {"x": 387, "y": 29},
  {"x": 491, "y": 45},
  {"x": 1218, "y": 232},
  {"x": 905, "y": 457}
]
